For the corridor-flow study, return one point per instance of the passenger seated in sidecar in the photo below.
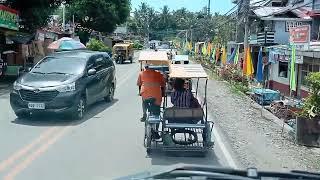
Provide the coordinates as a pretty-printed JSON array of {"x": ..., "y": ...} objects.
[{"x": 182, "y": 96}]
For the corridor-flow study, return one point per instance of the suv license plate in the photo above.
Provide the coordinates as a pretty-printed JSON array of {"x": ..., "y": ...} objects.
[{"x": 36, "y": 106}]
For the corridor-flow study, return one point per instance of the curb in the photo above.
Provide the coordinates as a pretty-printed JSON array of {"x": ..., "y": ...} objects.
[{"x": 268, "y": 115}]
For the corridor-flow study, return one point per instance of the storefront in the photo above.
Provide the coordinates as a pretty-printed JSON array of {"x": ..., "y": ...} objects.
[
  {"x": 306, "y": 61},
  {"x": 9, "y": 26}
]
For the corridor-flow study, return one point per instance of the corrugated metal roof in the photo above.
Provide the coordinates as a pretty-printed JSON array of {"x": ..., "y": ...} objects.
[
  {"x": 301, "y": 12},
  {"x": 187, "y": 71},
  {"x": 154, "y": 57},
  {"x": 268, "y": 11}
]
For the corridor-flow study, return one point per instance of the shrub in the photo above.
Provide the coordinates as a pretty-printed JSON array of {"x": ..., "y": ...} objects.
[
  {"x": 311, "y": 105},
  {"x": 97, "y": 45},
  {"x": 137, "y": 45},
  {"x": 231, "y": 72}
]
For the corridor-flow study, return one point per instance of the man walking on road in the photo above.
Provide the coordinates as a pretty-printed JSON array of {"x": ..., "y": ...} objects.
[{"x": 151, "y": 85}]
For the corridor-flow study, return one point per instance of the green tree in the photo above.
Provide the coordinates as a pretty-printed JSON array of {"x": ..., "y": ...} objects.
[
  {"x": 33, "y": 13},
  {"x": 99, "y": 15},
  {"x": 168, "y": 24}
]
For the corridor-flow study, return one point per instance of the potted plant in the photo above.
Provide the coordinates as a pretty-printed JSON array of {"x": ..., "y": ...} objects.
[{"x": 308, "y": 120}]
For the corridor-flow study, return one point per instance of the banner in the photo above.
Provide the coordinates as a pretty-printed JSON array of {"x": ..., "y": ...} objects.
[
  {"x": 293, "y": 69},
  {"x": 9, "y": 18}
]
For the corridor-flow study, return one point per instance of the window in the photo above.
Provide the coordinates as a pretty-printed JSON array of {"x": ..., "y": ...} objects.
[
  {"x": 283, "y": 69},
  {"x": 100, "y": 63},
  {"x": 306, "y": 69},
  {"x": 108, "y": 61}
]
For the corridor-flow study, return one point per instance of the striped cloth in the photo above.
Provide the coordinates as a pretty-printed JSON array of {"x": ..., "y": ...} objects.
[{"x": 181, "y": 99}]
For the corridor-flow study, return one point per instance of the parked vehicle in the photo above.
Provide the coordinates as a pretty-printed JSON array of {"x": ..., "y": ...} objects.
[
  {"x": 123, "y": 52},
  {"x": 180, "y": 59},
  {"x": 65, "y": 82}
]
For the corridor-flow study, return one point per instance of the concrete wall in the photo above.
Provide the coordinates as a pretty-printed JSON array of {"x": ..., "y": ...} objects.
[
  {"x": 281, "y": 36},
  {"x": 274, "y": 75},
  {"x": 282, "y": 84}
]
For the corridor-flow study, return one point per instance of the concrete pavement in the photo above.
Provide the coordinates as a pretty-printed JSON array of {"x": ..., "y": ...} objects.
[{"x": 108, "y": 143}]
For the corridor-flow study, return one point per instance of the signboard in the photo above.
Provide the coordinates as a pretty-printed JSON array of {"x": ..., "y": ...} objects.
[
  {"x": 41, "y": 36},
  {"x": 282, "y": 57},
  {"x": 9, "y": 18},
  {"x": 293, "y": 24},
  {"x": 300, "y": 34},
  {"x": 50, "y": 35}
]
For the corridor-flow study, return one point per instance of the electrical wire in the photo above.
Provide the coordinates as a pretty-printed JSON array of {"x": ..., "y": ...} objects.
[
  {"x": 244, "y": 12},
  {"x": 233, "y": 8}
]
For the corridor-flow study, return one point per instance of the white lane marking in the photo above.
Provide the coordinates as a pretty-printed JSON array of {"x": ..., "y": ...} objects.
[
  {"x": 223, "y": 148},
  {"x": 218, "y": 140}
]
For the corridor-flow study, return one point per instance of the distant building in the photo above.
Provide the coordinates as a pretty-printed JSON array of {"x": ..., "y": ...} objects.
[{"x": 121, "y": 31}]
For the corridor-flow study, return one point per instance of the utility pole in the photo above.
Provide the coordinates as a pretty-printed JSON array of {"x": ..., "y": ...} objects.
[
  {"x": 209, "y": 4},
  {"x": 246, "y": 25},
  {"x": 73, "y": 25},
  {"x": 191, "y": 35},
  {"x": 186, "y": 37},
  {"x": 63, "y": 18}
]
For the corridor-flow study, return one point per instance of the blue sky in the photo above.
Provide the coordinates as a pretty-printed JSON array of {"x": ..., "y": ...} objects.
[{"x": 221, "y": 6}]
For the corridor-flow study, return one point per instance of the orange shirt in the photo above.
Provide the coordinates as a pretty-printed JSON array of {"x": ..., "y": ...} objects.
[{"x": 151, "y": 83}]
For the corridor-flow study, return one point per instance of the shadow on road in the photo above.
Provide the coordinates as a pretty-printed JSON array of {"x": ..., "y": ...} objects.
[
  {"x": 6, "y": 85},
  {"x": 159, "y": 158},
  {"x": 126, "y": 63},
  {"x": 59, "y": 120}
]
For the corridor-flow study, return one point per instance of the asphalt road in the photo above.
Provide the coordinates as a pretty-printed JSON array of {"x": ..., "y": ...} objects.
[{"x": 108, "y": 143}]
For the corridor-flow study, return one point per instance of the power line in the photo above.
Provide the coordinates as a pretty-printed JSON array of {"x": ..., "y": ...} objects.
[
  {"x": 232, "y": 8},
  {"x": 244, "y": 12}
]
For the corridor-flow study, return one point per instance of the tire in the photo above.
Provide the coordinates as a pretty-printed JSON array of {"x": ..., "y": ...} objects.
[
  {"x": 110, "y": 95},
  {"x": 147, "y": 136},
  {"x": 121, "y": 60},
  {"x": 80, "y": 109},
  {"x": 149, "y": 151}
]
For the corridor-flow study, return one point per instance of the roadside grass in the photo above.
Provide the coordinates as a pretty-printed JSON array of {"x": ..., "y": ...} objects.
[{"x": 236, "y": 88}]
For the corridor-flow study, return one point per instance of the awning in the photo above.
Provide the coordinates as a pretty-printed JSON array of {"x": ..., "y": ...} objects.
[
  {"x": 187, "y": 71},
  {"x": 154, "y": 57},
  {"x": 21, "y": 38}
]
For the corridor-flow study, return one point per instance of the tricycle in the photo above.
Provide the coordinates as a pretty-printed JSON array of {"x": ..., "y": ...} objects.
[
  {"x": 175, "y": 129},
  {"x": 123, "y": 52}
]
